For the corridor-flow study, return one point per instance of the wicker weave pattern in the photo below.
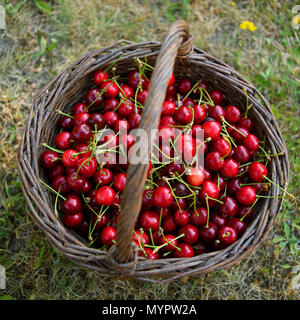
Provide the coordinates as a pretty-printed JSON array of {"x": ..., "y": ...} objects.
[{"x": 68, "y": 87}]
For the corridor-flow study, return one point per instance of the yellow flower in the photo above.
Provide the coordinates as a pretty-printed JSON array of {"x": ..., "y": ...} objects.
[
  {"x": 232, "y": 3},
  {"x": 248, "y": 25},
  {"x": 296, "y": 19}
]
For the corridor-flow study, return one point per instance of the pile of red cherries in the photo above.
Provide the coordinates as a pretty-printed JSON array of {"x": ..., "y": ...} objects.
[{"x": 187, "y": 210}]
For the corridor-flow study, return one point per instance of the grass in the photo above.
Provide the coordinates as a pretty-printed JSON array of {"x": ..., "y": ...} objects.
[{"x": 43, "y": 37}]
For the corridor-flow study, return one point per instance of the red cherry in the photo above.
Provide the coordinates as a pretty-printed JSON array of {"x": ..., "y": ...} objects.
[
  {"x": 195, "y": 177},
  {"x": 208, "y": 234},
  {"x": 232, "y": 114},
  {"x": 230, "y": 168},
  {"x": 191, "y": 234},
  {"x": 170, "y": 240},
  {"x": 184, "y": 115},
  {"x": 216, "y": 96},
  {"x": 222, "y": 146},
  {"x": 110, "y": 104},
  {"x": 241, "y": 154},
  {"x": 142, "y": 96},
  {"x": 72, "y": 204},
  {"x": 214, "y": 161},
  {"x": 87, "y": 166},
  {"x": 150, "y": 254},
  {"x": 168, "y": 224},
  {"x": 210, "y": 189},
  {"x": 81, "y": 118},
  {"x": 134, "y": 78},
  {"x": 149, "y": 220},
  {"x": 126, "y": 92},
  {"x": 233, "y": 186},
  {"x": 257, "y": 171},
  {"x": 103, "y": 177},
  {"x": 99, "y": 77},
  {"x": 83, "y": 150},
  {"x": 200, "y": 247},
  {"x": 96, "y": 120},
  {"x": 227, "y": 235},
  {"x": 198, "y": 217},
  {"x": 171, "y": 91},
  {"x": 72, "y": 220},
  {"x": 56, "y": 171},
  {"x": 185, "y": 146},
  {"x": 120, "y": 181},
  {"x": 87, "y": 187},
  {"x": 167, "y": 121},
  {"x": 110, "y": 118},
  {"x": 216, "y": 112},
  {"x": 134, "y": 120},
  {"x": 218, "y": 220},
  {"x": 65, "y": 123},
  {"x": 239, "y": 134},
  {"x": 78, "y": 108},
  {"x": 251, "y": 142},
  {"x": 70, "y": 158},
  {"x": 246, "y": 123},
  {"x": 162, "y": 197},
  {"x": 101, "y": 221},
  {"x": 126, "y": 108},
  {"x": 110, "y": 89},
  {"x": 238, "y": 225},
  {"x": 229, "y": 207},
  {"x": 121, "y": 126},
  {"x": 246, "y": 195},
  {"x": 185, "y": 85},
  {"x": 220, "y": 182},
  {"x": 49, "y": 159},
  {"x": 93, "y": 98},
  {"x": 212, "y": 129},
  {"x": 60, "y": 183},
  {"x": 185, "y": 251},
  {"x": 203, "y": 84},
  {"x": 179, "y": 204},
  {"x": 76, "y": 182},
  {"x": 245, "y": 213},
  {"x": 127, "y": 141},
  {"x": 199, "y": 114},
  {"x": 147, "y": 201},
  {"x": 171, "y": 80},
  {"x": 181, "y": 217},
  {"x": 63, "y": 140},
  {"x": 105, "y": 196},
  {"x": 108, "y": 236},
  {"x": 81, "y": 133}
]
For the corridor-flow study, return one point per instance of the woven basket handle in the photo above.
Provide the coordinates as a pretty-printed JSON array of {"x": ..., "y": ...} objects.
[{"x": 179, "y": 43}]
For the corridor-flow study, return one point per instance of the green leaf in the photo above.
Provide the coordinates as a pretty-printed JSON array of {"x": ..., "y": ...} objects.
[
  {"x": 43, "y": 6},
  {"x": 287, "y": 230},
  {"x": 278, "y": 239},
  {"x": 38, "y": 263},
  {"x": 7, "y": 297}
]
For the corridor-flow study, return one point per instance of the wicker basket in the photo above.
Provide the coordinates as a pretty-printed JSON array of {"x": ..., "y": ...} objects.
[{"x": 177, "y": 54}]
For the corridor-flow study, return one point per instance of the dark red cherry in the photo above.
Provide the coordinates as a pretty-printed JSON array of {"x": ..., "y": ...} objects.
[
  {"x": 49, "y": 159},
  {"x": 246, "y": 123},
  {"x": 126, "y": 92},
  {"x": 81, "y": 118},
  {"x": 126, "y": 108},
  {"x": 168, "y": 224},
  {"x": 110, "y": 118},
  {"x": 76, "y": 182},
  {"x": 141, "y": 238},
  {"x": 185, "y": 251},
  {"x": 184, "y": 115},
  {"x": 216, "y": 96},
  {"x": 101, "y": 221},
  {"x": 190, "y": 232},
  {"x": 72, "y": 204},
  {"x": 147, "y": 201},
  {"x": 200, "y": 247},
  {"x": 167, "y": 121},
  {"x": 241, "y": 154},
  {"x": 56, "y": 171},
  {"x": 238, "y": 225},
  {"x": 216, "y": 112},
  {"x": 179, "y": 204},
  {"x": 181, "y": 217},
  {"x": 168, "y": 108},
  {"x": 171, "y": 91},
  {"x": 245, "y": 213},
  {"x": 142, "y": 96},
  {"x": 198, "y": 217},
  {"x": 220, "y": 182},
  {"x": 110, "y": 104},
  {"x": 199, "y": 114},
  {"x": 81, "y": 133},
  {"x": 134, "y": 78},
  {"x": 208, "y": 234},
  {"x": 78, "y": 108},
  {"x": 60, "y": 184},
  {"x": 218, "y": 220},
  {"x": 72, "y": 220},
  {"x": 229, "y": 208},
  {"x": 96, "y": 120},
  {"x": 134, "y": 120},
  {"x": 184, "y": 85},
  {"x": 93, "y": 98},
  {"x": 233, "y": 186},
  {"x": 65, "y": 123},
  {"x": 119, "y": 181},
  {"x": 70, "y": 158},
  {"x": 239, "y": 134},
  {"x": 214, "y": 161}
]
